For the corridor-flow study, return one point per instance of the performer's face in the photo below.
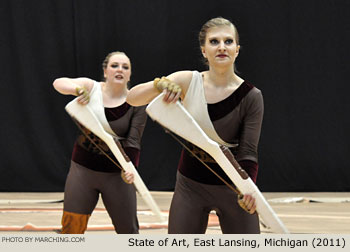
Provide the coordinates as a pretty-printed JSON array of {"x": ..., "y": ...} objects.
[
  {"x": 220, "y": 45},
  {"x": 118, "y": 69}
]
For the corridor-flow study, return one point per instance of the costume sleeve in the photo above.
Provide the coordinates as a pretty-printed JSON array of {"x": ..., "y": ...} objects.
[
  {"x": 250, "y": 167},
  {"x": 132, "y": 143},
  {"x": 133, "y": 154},
  {"x": 137, "y": 126},
  {"x": 251, "y": 127}
]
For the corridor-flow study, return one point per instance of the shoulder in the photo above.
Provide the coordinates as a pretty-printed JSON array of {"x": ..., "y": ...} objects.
[
  {"x": 254, "y": 91},
  {"x": 253, "y": 97},
  {"x": 181, "y": 77}
]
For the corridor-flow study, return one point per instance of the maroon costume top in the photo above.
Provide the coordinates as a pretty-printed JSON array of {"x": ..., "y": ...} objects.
[
  {"x": 127, "y": 122},
  {"x": 236, "y": 119}
]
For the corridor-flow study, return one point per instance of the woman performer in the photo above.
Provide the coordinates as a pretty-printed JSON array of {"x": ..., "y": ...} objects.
[
  {"x": 91, "y": 172},
  {"x": 234, "y": 109}
]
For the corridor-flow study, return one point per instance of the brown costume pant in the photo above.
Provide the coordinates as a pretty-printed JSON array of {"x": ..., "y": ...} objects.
[
  {"x": 193, "y": 201},
  {"x": 82, "y": 190}
]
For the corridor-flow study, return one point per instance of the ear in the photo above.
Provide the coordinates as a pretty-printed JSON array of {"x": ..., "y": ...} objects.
[
  {"x": 104, "y": 73},
  {"x": 237, "y": 50},
  {"x": 203, "y": 52},
  {"x": 129, "y": 76}
]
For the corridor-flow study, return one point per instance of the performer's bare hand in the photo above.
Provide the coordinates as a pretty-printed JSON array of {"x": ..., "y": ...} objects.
[
  {"x": 171, "y": 97},
  {"x": 248, "y": 203},
  {"x": 128, "y": 177},
  {"x": 83, "y": 95},
  {"x": 171, "y": 90}
]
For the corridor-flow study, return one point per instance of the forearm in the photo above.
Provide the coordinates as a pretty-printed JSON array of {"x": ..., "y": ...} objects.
[
  {"x": 68, "y": 86},
  {"x": 65, "y": 86},
  {"x": 142, "y": 94},
  {"x": 250, "y": 167},
  {"x": 251, "y": 129},
  {"x": 133, "y": 154}
]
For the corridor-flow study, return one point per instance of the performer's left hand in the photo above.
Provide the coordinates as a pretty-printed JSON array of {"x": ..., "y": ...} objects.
[
  {"x": 248, "y": 203},
  {"x": 83, "y": 95},
  {"x": 128, "y": 177}
]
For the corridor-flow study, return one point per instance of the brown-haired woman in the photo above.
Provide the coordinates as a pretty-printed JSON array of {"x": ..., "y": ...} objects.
[
  {"x": 231, "y": 109},
  {"x": 92, "y": 173}
]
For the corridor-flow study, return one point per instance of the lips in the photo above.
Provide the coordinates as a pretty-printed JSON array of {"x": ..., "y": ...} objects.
[
  {"x": 119, "y": 77},
  {"x": 221, "y": 56}
]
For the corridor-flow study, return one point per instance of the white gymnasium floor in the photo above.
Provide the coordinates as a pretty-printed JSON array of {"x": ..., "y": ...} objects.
[{"x": 303, "y": 213}]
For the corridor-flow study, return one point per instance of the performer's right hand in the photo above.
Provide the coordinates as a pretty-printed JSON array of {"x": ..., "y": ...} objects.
[
  {"x": 248, "y": 203},
  {"x": 171, "y": 90},
  {"x": 83, "y": 95},
  {"x": 128, "y": 177}
]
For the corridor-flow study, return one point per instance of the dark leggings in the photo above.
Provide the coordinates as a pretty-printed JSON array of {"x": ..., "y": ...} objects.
[
  {"x": 82, "y": 190},
  {"x": 193, "y": 201}
]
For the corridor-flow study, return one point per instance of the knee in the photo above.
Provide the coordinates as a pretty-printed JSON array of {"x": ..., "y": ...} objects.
[
  {"x": 126, "y": 227},
  {"x": 74, "y": 223}
]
